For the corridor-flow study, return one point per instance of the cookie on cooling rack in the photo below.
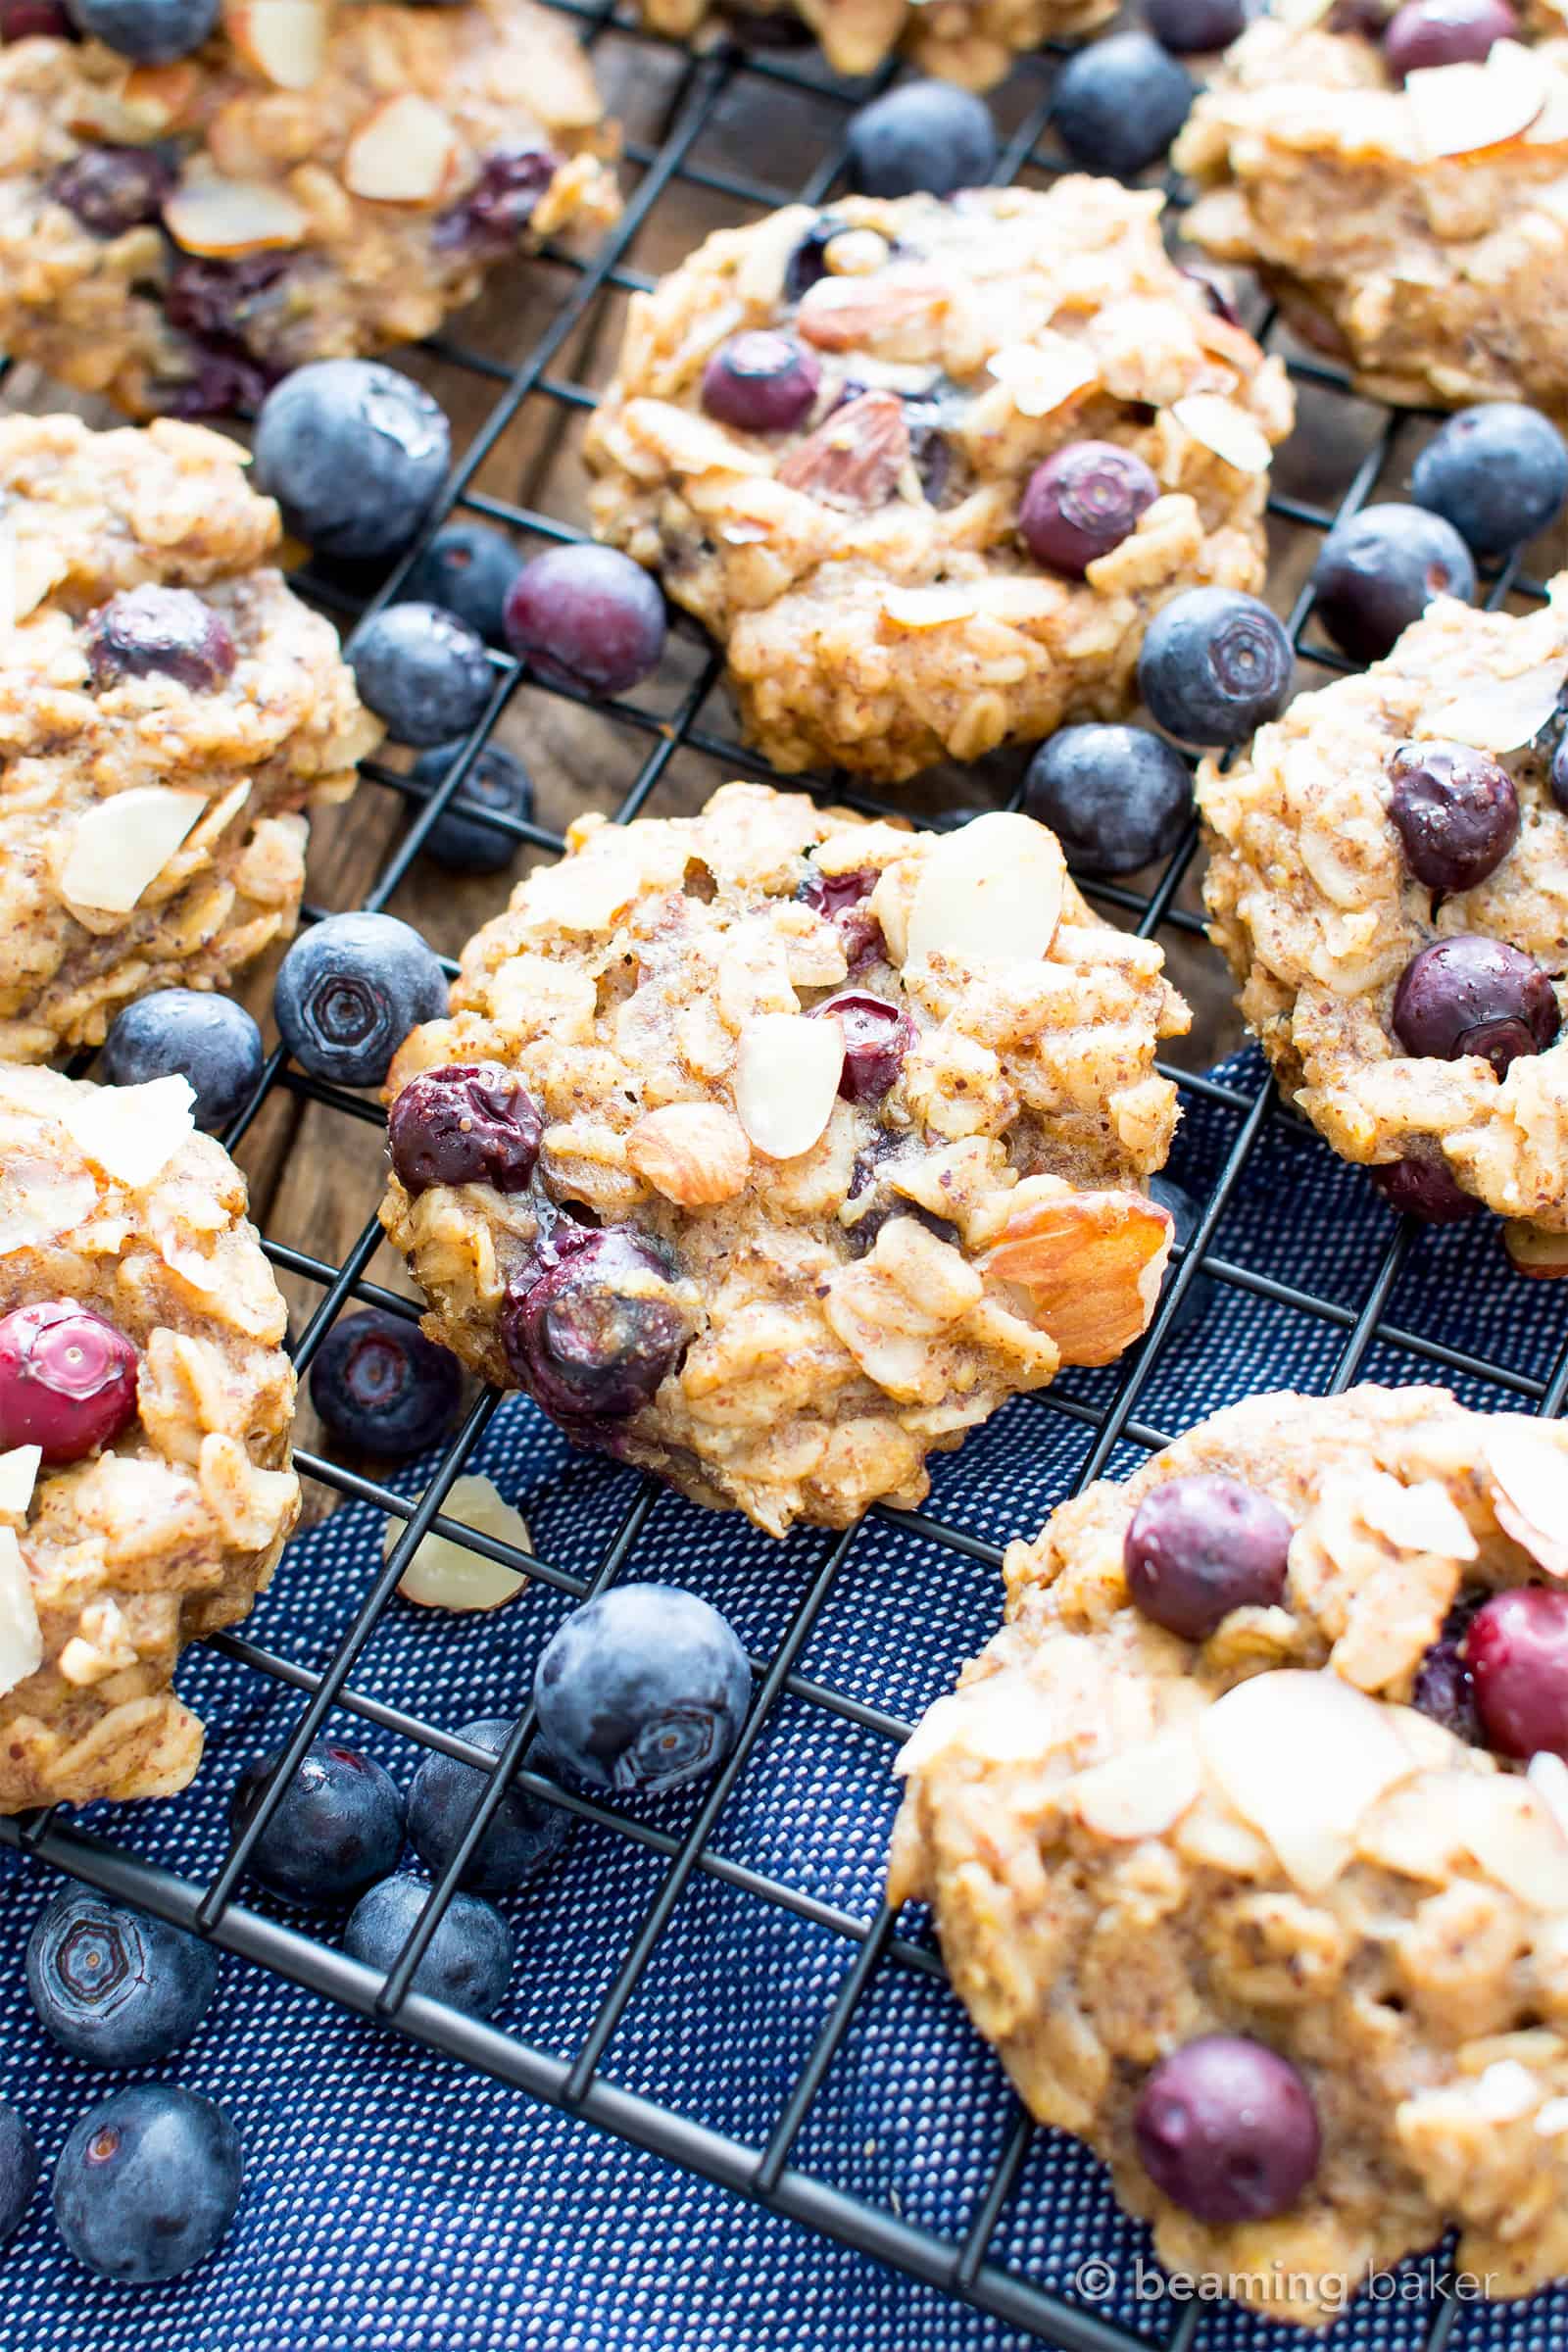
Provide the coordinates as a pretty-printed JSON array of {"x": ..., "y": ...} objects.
[
  {"x": 1410, "y": 214},
  {"x": 772, "y": 1149},
  {"x": 1389, "y": 879},
  {"x": 926, "y": 468},
  {"x": 169, "y": 709},
  {"x": 968, "y": 41},
  {"x": 315, "y": 179},
  {"x": 145, "y": 1405},
  {"x": 1237, "y": 1855}
]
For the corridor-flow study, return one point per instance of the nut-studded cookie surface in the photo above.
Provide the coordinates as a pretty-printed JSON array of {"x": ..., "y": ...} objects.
[
  {"x": 969, "y": 41},
  {"x": 145, "y": 1406},
  {"x": 1389, "y": 878},
  {"x": 1272, "y": 1910},
  {"x": 772, "y": 1149},
  {"x": 926, "y": 468},
  {"x": 169, "y": 711},
  {"x": 321, "y": 179}
]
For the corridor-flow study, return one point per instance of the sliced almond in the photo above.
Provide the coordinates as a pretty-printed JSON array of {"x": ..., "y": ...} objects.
[
  {"x": 1528, "y": 1477},
  {"x": 1506, "y": 2090},
  {"x": 444, "y": 1574},
  {"x": 1225, "y": 428},
  {"x": 1139, "y": 1795},
  {"x": 1535, "y": 1251},
  {"x": 940, "y": 1728},
  {"x": 162, "y": 95},
  {"x": 1502, "y": 715},
  {"x": 695, "y": 1154},
  {"x": 1505, "y": 1825},
  {"x": 855, "y": 456},
  {"x": 21, "y": 1641},
  {"x": 285, "y": 39},
  {"x": 1091, "y": 1264},
  {"x": 224, "y": 218},
  {"x": 1465, "y": 110},
  {"x": 894, "y": 312},
  {"x": 119, "y": 845},
  {"x": 787, "y": 1071},
  {"x": 132, "y": 1132},
  {"x": 583, "y": 893},
  {"x": 990, "y": 893},
  {"x": 406, "y": 151},
  {"x": 19, "y": 1475},
  {"x": 1302, "y": 1758},
  {"x": 1548, "y": 1775},
  {"x": 1044, "y": 374},
  {"x": 1418, "y": 1518},
  {"x": 931, "y": 607}
]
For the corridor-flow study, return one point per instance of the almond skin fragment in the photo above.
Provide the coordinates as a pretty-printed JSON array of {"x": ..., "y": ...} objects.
[
  {"x": 695, "y": 1154},
  {"x": 859, "y": 313},
  {"x": 1091, "y": 1264},
  {"x": 854, "y": 458}
]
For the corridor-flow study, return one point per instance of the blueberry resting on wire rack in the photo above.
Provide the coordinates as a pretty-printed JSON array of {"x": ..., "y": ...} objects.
[
  {"x": 522, "y": 1836},
  {"x": 586, "y": 618},
  {"x": 1199, "y": 1547},
  {"x": 461, "y": 842},
  {"x": 1227, "y": 2128},
  {"x": 1214, "y": 664},
  {"x": 1119, "y": 102},
  {"x": 1516, "y": 1650},
  {"x": 1377, "y": 573},
  {"x": 1116, "y": 798},
  {"x": 193, "y": 1033},
  {"x": 147, "y": 2183},
  {"x": 1196, "y": 27},
  {"x": 382, "y": 1387},
  {"x": 924, "y": 136},
  {"x": 422, "y": 671},
  {"x": 112, "y": 1985},
  {"x": 354, "y": 453},
  {"x": 645, "y": 1687},
  {"x": 467, "y": 569},
  {"x": 1185, "y": 1212},
  {"x": 337, "y": 1827},
  {"x": 349, "y": 991},
  {"x": 1498, "y": 473},
  {"x": 154, "y": 32},
  {"x": 18, "y": 2170},
  {"x": 467, "y": 1961}
]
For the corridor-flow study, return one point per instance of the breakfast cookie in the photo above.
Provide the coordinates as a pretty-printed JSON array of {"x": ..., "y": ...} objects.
[
  {"x": 1410, "y": 214},
  {"x": 926, "y": 468},
  {"x": 316, "y": 180},
  {"x": 1246, "y": 1839},
  {"x": 968, "y": 41},
  {"x": 1389, "y": 879},
  {"x": 145, "y": 1405},
  {"x": 167, "y": 710},
  {"x": 772, "y": 1149}
]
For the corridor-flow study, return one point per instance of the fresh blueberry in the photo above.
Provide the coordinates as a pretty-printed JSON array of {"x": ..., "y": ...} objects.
[
  {"x": 1116, "y": 798},
  {"x": 1445, "y": 33},
  {"x": 191, "y": 1033},
  {"x": 467, "y": 569},
  {"x": 592, "y": 1335},
  {"x": 1184, "y": 1213},
  {"x": 807, "y": 262},
  {"x": 1196, "y": 27},
  {"x": 459, "y": 841},
  {"x": 382, "y": 1387},
  {"x": 924, "y": 137},
  {"x": 68, "y": 1379},
  {"x": 1118, "y": 103},
  {"x": 1444, "y": 1687},
  {"x": 470, "y": 1122},
  {"x": 1227, "y": 2130},
  {"x": 228, "y": 314},
  {"x": 1517, "y": 1653},
  {"x": 1377, "y": 573},
  {"x": 355, "y": 454},
  {"x": 147, "y": 2183},
  {"x": 1455, "y": 811},
  {"x": 1214, "y": 664},
  {"x": 18, "y": 2170},
  {"x": 1082, "y": 502},
  {"x": 350, "y": 990},
  {"x": 643, "y": 1687},
  {"x": 338, "y": 1826},
  {"x": 1469, "y": 995},
  {"x": 1498, "y": 473},
  {"x": 467, "y": 1961},
  {"x": 761, "y": 382},
  {"x": 422, "y": 671},
  {"x": 522, "y": 1836},
  {"x": 151, "y": 31},
  {"x": 160, "y": 632},
  {"x": 587, "y": 617},
  {"x": 116, "y": 1987},
  {"x": 1199, "y": 1547},
  {"x": 1422, "y": 1185},
  {"x": 1557, "y": 774},
  {"x": 877, "y": 1036},
  {"x": 500, "y": 206},
  {"x": 112, "y": 189},
  {"x": 35, "y": 20}
]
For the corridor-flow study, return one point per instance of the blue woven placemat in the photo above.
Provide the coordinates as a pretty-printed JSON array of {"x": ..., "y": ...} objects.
[{"x": 395, "y": 2203}]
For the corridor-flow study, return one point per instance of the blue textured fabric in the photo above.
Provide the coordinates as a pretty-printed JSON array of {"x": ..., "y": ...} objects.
[{"x": 394, "y": 2203}]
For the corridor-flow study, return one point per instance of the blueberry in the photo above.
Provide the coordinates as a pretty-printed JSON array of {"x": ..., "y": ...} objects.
[
  {"x": 116, "y": 1987},
  {"x": 355, "y": 454},
  {"x": 160, "y": 632},
  {"x": 68, "y": 1379},
  {"x": 467, "y": 1961},
  {"x": 1116, "y": 798},
  {"x": 1199, "y": 1547},
  {"x": 147, "y": 2182},
  {"x": 1198, "y": 1296},
  {"x": 459, "y": 841},
  {"x": 1378, "y": 571},
  {"x": 1118, "y": 104},
  {"x": 1498, "y": 473},
  {"x": 1082, "y": 502},
  {"x": 338, "y": 1826},
  {"x": 1196, "y": 27},
  {"x": 151, "y": 31},
  {"x": 761, "y": 382},
  {"x": 500, "y": 206},
  {"x": 467, "y": 569},
  {"x": 1445, "y": 33},
  {"x": 591, "y": 1336},
  {"x": 877, "y": 1036},
  {"x": 924, "y": 137},
  {"x": 1444, "y": 1687},
  {"x": 807, "y": 262},
  {"x": 469, "y": 1122},
  {"x": 1455, "y": 811},
  {"x": 350, "y": 990},
  {"x": 841, "y": 900},
  {"x": 1469, "y": 995},
  {"x": 1557, "y": 774},
  {"x": 643, "y": 1687},
  {"x": 1422, "y": 1185},
  {"x": 29, "y": 20},
  {"x": 18, "y": 2170},
  {"x": 1227, "y": 2130},
  {"x": 1214, "y": 664},
  {"x": 524, "y": 1833},
  {"x": 112, "y": 189},
  {"x": 422, "y": 671},
  {"x": 382, "y": 1387},
  {"x": 188, "y": 1031},
  {"x": 1516, "y": 1650},
  {"x": 587, "y": 617}
]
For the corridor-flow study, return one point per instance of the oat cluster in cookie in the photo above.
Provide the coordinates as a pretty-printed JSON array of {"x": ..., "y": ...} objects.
[
  {"x": 1419, "y": 231},
  {"x": 859, "y": 552},
  {"x": 772, "y": 1149},
  {"x": 110, "y": 1199},
  {"x": 1133, "y": 1840},
  {"x": 319, "y": 180},
  {"x": 969, "y": 41},
  {"x": 169, "y": 711},
  {"x": 1314, "y": 893}
]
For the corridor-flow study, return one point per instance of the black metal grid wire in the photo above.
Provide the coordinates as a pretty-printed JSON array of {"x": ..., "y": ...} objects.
[{"x": 964, "y": 2263}]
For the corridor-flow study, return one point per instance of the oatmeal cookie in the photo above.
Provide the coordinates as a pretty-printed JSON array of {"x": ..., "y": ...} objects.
[
  {"x": 772, "y": 1149},
  {"x": 1237, "y": 1855},
  {"x": 1389, "y": 879},
  {"x": 168, "y": 710},
  {"x": 926, "y": 468},
  {"x": 141, "y": 1356},
  {"x": 1417, "y": 230},
  {"x": 319, "y": 180},
  {"x": 969, "y": 41}
]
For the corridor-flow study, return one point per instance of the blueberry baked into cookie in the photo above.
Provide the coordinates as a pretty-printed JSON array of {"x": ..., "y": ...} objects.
[
  {"x": 145, "y": 1407},
  {"x": 168, "y": 710},
  {"x": 1246, "y": 1839},
  {"x": 200, "y": 199},
  {"x": 772, "y": 1149},
  {"x": 926, "y": 468},
  {"x": 1389, "y": 880},
  {"x": 969, "y": 41},
  {"x": 1399, "y": 181}
]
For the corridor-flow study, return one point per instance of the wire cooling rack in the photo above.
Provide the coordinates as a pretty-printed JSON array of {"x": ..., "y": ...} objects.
[{"x": 673, "y": 745}]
